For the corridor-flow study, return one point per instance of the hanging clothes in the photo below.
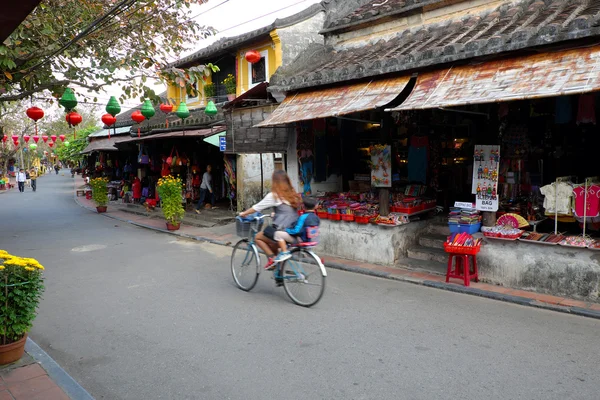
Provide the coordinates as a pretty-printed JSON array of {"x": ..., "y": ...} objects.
[
  {"x": 587, "y": 109},
  {"x": 418, "y": 157},
  {"x": 591, "y": 207},
  {"x": 558, "y": 198}
]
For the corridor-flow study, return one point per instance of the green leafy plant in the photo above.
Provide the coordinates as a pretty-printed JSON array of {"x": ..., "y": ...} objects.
[
  {"x": 210, "y": 90},
  {"x": 230, "y": 84},
  {"x": 21, "y": 287},
  {"x": 169, "y": 189},
  {"x": 99, "y": 191}
]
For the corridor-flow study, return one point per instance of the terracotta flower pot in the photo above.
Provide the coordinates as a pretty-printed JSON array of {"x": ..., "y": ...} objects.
[
  {"x": 101, "y": 209},
  {"x": 173, "y": 227},
  {"x": 12, "y": 352},
  {"x": 231, "y": 97}
]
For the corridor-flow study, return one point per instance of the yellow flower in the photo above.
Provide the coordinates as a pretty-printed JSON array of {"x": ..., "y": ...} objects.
[
  {"x": 4, "y": 253},
  {"x": 29, "y": 269},
  {"x": 1, "y": 267}
]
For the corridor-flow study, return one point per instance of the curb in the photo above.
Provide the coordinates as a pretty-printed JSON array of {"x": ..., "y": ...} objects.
[
  {"x": 69, "y": 385},
  {"x": 522, "y": 301}
]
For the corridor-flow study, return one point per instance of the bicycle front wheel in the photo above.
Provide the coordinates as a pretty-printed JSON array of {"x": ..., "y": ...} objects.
[
  {"x": 245, "y": 265},
  {"x": 303, "y": 278}
]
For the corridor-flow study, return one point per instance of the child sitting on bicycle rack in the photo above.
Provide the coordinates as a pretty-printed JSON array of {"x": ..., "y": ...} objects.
[{"x": 300, "y": 232}]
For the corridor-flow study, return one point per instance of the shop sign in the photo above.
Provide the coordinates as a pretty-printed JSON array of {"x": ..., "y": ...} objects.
[
  {"x": 461, "y": 204},
  {"x": 485, "y": 177},
  {"x": 381, "y": 166},
  {"x": 222, "y": 143}
]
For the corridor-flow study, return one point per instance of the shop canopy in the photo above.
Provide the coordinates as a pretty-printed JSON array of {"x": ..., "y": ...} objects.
[
  {"x": 336, "y": 101},
  {"x": 558, "y": 73},
  {"x": 104, "y": 144},
  {"x": 192, "y": 133}
]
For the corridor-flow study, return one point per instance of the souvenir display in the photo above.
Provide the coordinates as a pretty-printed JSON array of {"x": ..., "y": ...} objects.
[{"x": 485, "y": 177}]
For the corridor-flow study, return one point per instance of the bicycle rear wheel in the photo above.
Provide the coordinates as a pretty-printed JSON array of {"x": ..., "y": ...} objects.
[
  {"x": 245, "y": 265},
  {"x": 303, "y": 278}
]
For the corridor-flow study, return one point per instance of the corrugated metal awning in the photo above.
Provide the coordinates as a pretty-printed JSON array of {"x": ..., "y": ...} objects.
[
  {"x": 542, "y": 75},
  {"x": 103, "y": 144},
  {"x": 113, "y": 131},
  {"x": 335, "y": 101}
]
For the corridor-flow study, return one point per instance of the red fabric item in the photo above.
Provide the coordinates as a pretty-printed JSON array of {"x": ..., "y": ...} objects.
[
  {"x": 587, "y": 109},
  {"x": 136, "y": 187},
  {"x": 593, "y": 201}
]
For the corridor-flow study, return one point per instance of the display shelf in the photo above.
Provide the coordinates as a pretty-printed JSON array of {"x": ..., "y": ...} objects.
[
  {"x": 538, "y": 242},
  {"x": 503, "y": 239}
]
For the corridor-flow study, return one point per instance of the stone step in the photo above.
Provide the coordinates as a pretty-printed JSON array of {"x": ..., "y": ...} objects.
[
  {"x": 439, "y": 229},
  {"x": 423, "y": 266},
  {"x": 432, "y": 240},
  {"x": 428, "y": 254}
]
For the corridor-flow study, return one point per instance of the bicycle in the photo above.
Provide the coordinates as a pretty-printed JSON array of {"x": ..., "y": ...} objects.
[{"x": 302, "y": 273}]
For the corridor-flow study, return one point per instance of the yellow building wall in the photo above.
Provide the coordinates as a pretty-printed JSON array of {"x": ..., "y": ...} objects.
[
  {"x": 273, "y": 50},
  {"x": 176, "y": 95}
]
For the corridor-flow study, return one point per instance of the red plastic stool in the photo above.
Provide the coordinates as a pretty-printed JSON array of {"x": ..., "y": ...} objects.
[{"x": 462, "y": 268}]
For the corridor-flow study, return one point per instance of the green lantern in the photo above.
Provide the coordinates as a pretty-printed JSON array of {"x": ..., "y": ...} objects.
[
  {"x": 148, "y": 110},
  {"x": 33, "y": 146},
  {"x": 210, "y": 109},
  {"x": 67, "y": 144},
  {"x": 182, "y": 111},
  {"x": 113, "y": 107},
  {"x": 68, "y": 100}
]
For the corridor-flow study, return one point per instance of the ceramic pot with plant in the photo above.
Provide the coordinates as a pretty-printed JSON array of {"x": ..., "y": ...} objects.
[
  {"x": 100, "y": 193},
  {"x": 21, "y": 287},
  {"x": 210, "y": 91},
  {"x": 230, "y": 87},
  {"x": 169, "y": 189}
]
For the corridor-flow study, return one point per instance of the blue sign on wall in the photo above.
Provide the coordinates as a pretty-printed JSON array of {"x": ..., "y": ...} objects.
[{"x": 222, "y": 143}]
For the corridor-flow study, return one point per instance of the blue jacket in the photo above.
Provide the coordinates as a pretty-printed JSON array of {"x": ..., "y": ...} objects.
[{"x": 305, "y": 221}]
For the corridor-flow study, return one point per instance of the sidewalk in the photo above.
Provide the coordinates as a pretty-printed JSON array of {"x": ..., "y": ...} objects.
[{"x": 224, "y": 235}]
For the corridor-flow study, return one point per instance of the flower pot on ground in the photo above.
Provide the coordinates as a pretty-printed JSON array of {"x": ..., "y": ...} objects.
[
  {"x": 101, "y": 209},
  {"x": 173, "y": 227},
  {"x": 21, "y": 287},
  {"x": 169, "y": 189},
  {"x": 230, "y": 86},
  {"x": 99, "y": 193}
]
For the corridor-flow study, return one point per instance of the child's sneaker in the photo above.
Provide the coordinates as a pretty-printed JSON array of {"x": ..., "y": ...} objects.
[
  {"x": 270, "y": 264},
  {"x": 282, "y": 257}
]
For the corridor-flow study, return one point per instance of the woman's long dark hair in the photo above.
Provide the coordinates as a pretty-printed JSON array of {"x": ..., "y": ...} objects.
[{"x": 282, "y": 187}]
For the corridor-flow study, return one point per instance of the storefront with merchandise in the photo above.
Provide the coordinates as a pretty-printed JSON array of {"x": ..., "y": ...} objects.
[{"x": 516, "y": 137}]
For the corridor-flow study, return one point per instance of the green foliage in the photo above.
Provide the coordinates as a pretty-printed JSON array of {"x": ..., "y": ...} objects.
[
  {"x": 72, "y": 153},
  {"x": 169, "y": 189},
  {"x": 230, "y": 84},
  {"x": 21, "y": 287},
  {"x": 91, "y": 44},
  {"x": 99, "y": 191},
  {"x": 210, "y": 90}
]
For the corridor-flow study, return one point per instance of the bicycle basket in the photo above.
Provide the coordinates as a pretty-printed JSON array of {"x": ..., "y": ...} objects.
[{"x": 244, "y": 228}]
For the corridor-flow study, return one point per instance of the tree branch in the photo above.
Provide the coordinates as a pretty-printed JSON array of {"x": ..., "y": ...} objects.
[{"x": 42, "y": 87}]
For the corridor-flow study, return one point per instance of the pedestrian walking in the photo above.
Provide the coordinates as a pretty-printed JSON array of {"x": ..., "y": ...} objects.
[
  {"x": 33, "y": 175},
  {"x": 21, "y": 178},
  {"x": 206, "y": 190},
  {"x": 57, "y": 168}
]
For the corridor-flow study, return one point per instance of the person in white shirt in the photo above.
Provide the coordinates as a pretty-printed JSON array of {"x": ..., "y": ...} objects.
[
  {"x": 206, "y": 189},
  {"x": 21, "y": 178}
]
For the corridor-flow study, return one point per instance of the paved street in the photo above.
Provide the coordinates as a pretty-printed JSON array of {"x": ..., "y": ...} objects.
[{"x": 135, "y": 314}]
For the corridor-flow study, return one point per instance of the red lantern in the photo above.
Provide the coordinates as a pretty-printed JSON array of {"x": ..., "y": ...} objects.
[
  {"x": 15, "y": 138},
  {"x": 253, "y": 56},
  {"x": 36, "y": 138},
  {"x": 73, "y": 119},
  {"x": 35, "y": 113},
  {"x": 108, "y": 120},
  {"x": 51, "y": 144},
  {"x": 62, "y": 138},
  {"x": 5, "y": 138},
  {"x": 16, "y": 144},
  {"x": 45, "y": 138},
  {"x": 53, "y": 137},
  {"x": 166, "y": 108},
  {"x": 138, "y": 118},
  {"x": 26, "y": 138}
]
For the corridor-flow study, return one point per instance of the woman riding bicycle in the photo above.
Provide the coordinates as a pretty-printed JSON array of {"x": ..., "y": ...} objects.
[{"x": 285, "y": 201}]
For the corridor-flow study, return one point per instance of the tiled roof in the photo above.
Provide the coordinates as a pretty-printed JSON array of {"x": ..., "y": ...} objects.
[
  {"x": 226, "y": 45},
  {"x": 372, "y": 10},
  {"x": 515, "y": 25}
]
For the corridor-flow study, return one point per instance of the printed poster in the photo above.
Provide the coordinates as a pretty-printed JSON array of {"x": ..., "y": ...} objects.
[
  {"x": 381, "y": 166},
  {"x": 486, "y": 167}
]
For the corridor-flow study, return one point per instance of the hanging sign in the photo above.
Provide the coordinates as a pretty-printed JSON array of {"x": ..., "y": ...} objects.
[
  {"x": 381, "y": 166},
  {"x": 222, "y": 143},
  {"x": 485, "y": 177}
]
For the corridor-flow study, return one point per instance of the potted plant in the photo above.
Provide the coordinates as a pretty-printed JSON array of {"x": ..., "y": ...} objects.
[
  {"x": 209, "y": 91},
  {"x": 169, "y": 189},
  {"x": 230, "y": 87},
  {"x": 99, "y": 193},
  {"x": 21, "y": 287}
]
